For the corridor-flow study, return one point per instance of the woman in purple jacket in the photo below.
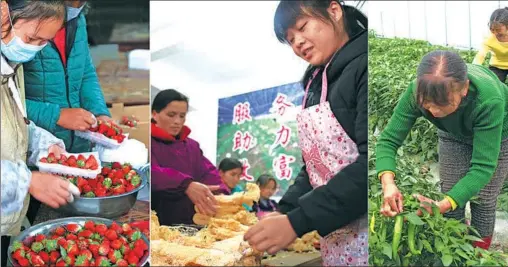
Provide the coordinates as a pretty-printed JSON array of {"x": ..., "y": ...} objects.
[{"x": 181, "y": 176}]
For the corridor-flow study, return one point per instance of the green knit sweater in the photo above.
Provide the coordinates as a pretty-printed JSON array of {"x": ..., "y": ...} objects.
[{"x": 482, "y": 116}]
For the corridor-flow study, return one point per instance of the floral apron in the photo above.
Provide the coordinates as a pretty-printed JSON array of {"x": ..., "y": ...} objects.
[{"x": 327, "y": 149}]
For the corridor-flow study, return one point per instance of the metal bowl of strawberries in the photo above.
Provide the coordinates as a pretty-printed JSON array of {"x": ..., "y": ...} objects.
[
  {"x": 79, "y": 241},
  {"x": 110, "y": 195}
]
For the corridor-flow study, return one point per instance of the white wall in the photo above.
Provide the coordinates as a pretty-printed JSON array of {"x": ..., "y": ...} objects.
[
  {"x": 461, "y": 24},
  {"x": 215, "y": 49}
]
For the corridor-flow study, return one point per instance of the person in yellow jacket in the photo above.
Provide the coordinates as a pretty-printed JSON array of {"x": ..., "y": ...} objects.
[{"x": 496, "y": 44}]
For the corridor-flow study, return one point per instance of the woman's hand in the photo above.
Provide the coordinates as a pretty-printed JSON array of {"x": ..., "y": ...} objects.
[
  {"x": 425, "y": 202},
  {"x": 271, "y": 234},
  {"x": 393, "y": 200},
  {"x": 76, "y": 119},
  {"x": 51, "y": 189},
  {"x": 201, "y": 195},
  {"x": 56, "y": 150}
]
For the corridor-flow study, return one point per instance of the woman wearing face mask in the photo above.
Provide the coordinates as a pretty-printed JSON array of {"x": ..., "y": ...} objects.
[
  {"x": 26, "y": 28},
  {"x": 496, "y": 44},
  {"x": 330, "y": 192},
  {"x": 181, "y": 176},
  {"x": 62, "y": 89},
  {"x": 469, "y": 106}
]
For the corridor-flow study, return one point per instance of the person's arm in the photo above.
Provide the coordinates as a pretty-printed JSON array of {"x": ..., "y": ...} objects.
[
  {"x": 16, "y": 178},
  {"x": 167, "y": 179},
  {"x": 344, "y": 198},
  {"x": 39, "y": 141},
  {"x": 44, "y": 114},
  {"x": 210, "y": 175},
  {"x": 91, "y": 97},
  {"x": 300, "y": 187},
  {"x": 482, "y": 53},
  {"x": 486, "y": 147},
  {"x": 392, "y": 137}
]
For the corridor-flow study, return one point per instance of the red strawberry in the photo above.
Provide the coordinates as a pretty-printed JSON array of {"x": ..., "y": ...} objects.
[
  {"x": 126, "y": 227},
  {"x": 87, "y": 189},
  {"x": 129, "y": 187},
  {"x": 100, "y": 192},
  {"x": 116, "y": 165},
  {"x": 126, "y": 168},
  {"x": 114, "y": 255},
  {"x": 70, "y": 260},
  {"x": 36, "y": 260},
  {"x": 82, "y": 182},
  {"x": 81, "y": 157},
  {"x": 82, "y": 260},
  {"x": 50, "y": 245},
  {"x": 119, "y": 174},
  {"x": 118, "y": 190},
  {"x": 141, "y": 243},
  {"x": 132, "y": 258},
  {"x": 125, "y": 249},
  {"x": 105, "y": 170},
  {"x": 92, "y": 183},
  {"x": 51, "y": 158},
  {"x": 90, "y": 164},
  {"x": 124, "y": 239},
  {"x": 61, "y": 263},
  {"x": 71, "y": 237},
  {"x": 82, "y": 244},
  {"x": 94, "y": 248},
  {"x": 73, "y": 228},
  {"x": 60, "y": 231},
  {"x": 122, "y": 262},
  {"x": 62, "y": 242},
  {"x": 25, "y": 262},
  {"x": 53, "y": 256},
  {"x": 80, "y": 164},
  {"x": 111, "y": 235},
  {"x": 138, "y": 251},
  {"x": 116, "y": 244},
  {"x": 44, "y": 256},
  {"x": 18, "y": 254},
  {"x": 135, "y": 235},
  {"x": 104, "y": 248},
  {"x": 40, "y": 238},
  {"x": 116, "y": 227},
  {"x": 37, "y": 246},
  {"x": 44, "y": 160},
  {"x": 85, "y": 233},
  {"x": 63, "y": 157},
  {"x": 87, "y": 253},
  {"x": 107, "y": 183},
  {"x": 101, "y": 228},
  {"x": 72, "y": 248},
  {"x": 90, "y": 225}
]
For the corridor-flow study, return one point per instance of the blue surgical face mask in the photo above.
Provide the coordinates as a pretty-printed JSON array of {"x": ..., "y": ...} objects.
[
  {"x": 17, "y": 50},
  {"x": 73, "y": 12}
]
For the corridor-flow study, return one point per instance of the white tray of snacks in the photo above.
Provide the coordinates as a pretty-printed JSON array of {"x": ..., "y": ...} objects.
[{"x": 86, "y": 165}]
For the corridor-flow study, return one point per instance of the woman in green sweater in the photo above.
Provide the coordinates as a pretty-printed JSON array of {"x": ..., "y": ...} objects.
[{"x": 469, "y": 106}]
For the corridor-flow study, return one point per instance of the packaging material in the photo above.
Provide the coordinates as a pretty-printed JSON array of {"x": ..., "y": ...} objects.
[
  {"x": 142, "y": 112},
  {"x": 66, "y": 170},
  {"x": 131, "y": 151},
  {"x": 100, "y": 139}
]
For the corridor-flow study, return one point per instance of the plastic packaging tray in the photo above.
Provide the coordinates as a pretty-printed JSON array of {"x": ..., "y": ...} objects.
[
  {"x": 100, "y": 139},
  {"x": 66, "y": 170}
]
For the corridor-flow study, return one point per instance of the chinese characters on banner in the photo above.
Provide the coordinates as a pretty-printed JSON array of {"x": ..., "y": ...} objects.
[{"x": 258, "y": 129}]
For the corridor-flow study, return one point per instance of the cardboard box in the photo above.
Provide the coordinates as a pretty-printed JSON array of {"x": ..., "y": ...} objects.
[{"x": 142, "y": 112}]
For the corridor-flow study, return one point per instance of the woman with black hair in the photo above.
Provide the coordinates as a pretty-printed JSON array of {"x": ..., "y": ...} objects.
[
  {"x": 230, "y": 171},
  {"x": 496, "y": 44},
  {"x": 181, "y": 176},
  {"x": 469, "y": 106},
  {"x": 267, "y": 187},
  {"x": 330, "y": 192}
]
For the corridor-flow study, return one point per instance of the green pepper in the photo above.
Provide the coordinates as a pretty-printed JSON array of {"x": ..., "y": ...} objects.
[
  {"x": 397, "y": 233},
  {"x": 411, "y": 232}
]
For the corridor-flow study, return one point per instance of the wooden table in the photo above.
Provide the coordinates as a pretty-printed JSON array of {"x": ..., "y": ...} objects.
[
  {"x": 139, "y": 212},
  {"x": 291, "y": 258},
  {"x": 131, "y": 36}
]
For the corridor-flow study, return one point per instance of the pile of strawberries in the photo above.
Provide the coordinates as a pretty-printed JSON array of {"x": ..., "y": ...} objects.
[
  {"x": 94, "y": 244},
  {"x": 113, "y": 180},
  {"x": 130, "y": 121},
  {"x": 81, "y": 162},
  {"x": 109, "y": 130}
]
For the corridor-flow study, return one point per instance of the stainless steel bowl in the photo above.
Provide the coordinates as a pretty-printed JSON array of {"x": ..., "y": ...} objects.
[
  {"x": 105, "y": 207},
  {"x": 45, "y": 227}
]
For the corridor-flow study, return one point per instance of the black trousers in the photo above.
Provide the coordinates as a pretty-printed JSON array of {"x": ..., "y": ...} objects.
[
  {"x": 500, "y": 73},
  {"x": 5, "y": 247}
]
